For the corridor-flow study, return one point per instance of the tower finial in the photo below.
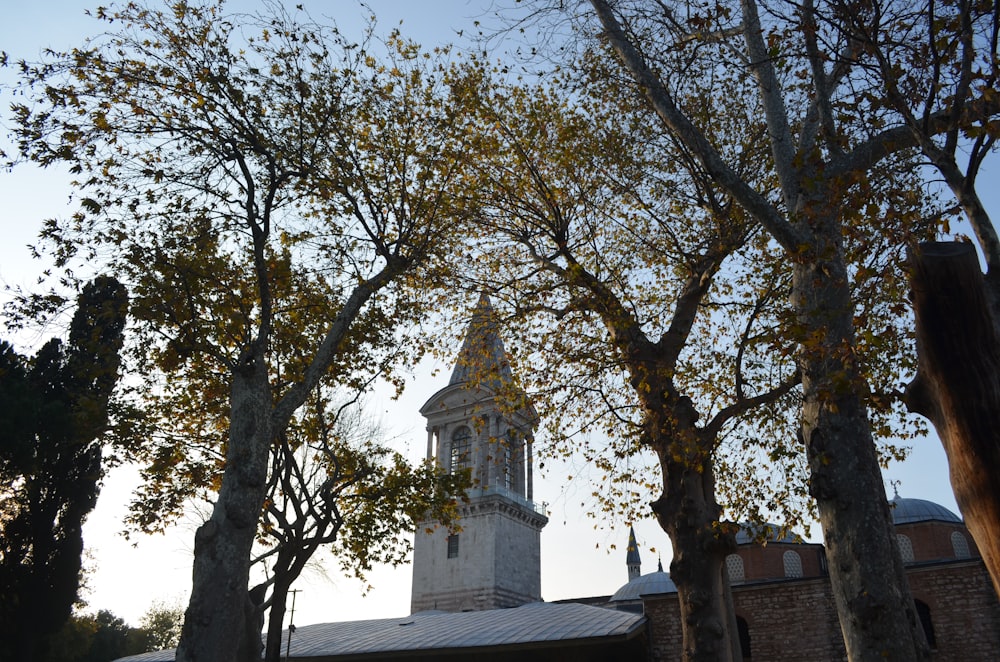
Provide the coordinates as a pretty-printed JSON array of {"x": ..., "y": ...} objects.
[
  {"x": 632, "y": 560},
  {"x": 482, "y": 357}
]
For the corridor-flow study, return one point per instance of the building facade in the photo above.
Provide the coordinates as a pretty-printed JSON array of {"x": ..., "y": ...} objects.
[{"x": 785, "y": 608}]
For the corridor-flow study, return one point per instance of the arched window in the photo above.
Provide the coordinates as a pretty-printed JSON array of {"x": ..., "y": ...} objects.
[
  {"x": 924, "y": 614},
  {"x": 905, "y": 547},
  {"x": 793, "y": 564},
  {"x": 744, "y": 633},
  {"x": 461, "y": 449},
  {"x": 960, "y": 545},
  {"x": 734, "y": 565},
  {"x": 508, "y": 467}
]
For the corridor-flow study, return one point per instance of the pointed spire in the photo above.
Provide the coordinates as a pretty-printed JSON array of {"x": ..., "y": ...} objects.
[
  {"x": 482, "y": 357},
  {"x": 632, "y": 560},
  {"x": 659, "y": 564}
]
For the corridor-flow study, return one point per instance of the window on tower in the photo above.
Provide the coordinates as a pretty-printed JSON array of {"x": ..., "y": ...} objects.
[
  {"x": 461, "y": 449},
  {"x": 453, "y": 546},
  {"x": 508, "y": 465}
]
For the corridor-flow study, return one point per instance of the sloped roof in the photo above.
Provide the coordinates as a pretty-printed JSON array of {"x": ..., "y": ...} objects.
[{"x": 537, "y": 623}]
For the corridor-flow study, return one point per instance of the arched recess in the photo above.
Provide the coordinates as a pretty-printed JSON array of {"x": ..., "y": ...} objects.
[
  {"x": 734, "y": 566},
  {"x": 924, "y": 614},
  {"x": 905, "y": 547},
  {"x": 960, "y": 545},
  {"x": 743, "y": 629},
  {"x": 793, "y": 564}
]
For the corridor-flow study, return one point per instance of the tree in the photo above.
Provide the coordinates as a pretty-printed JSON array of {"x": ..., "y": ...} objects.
[
  {"x": 332, "y": 484},
  {"x": 259, "y": 180},
  {"x": 824, "y": 136},
  {"x": 659, "y": 308},
  {"x": 161, "y": 626},
  {"x": 55, "y": 414},
  {"x": 619, "y": 258},
  {"x": 113, "y": 638},
  {"x": 99, "y": 637},
  {"x": 956, "y": 76},
  {"x": 957, "y": 383}
]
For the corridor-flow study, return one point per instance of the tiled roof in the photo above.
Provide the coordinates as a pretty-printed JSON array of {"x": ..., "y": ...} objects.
[{"x": 534, "y": 623}]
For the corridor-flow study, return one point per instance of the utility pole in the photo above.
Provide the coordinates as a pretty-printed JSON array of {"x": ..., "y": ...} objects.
[{"x": 291, "y": 625}]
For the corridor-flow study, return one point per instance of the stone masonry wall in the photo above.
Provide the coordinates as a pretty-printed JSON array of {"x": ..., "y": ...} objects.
[
  {"x": 794, "y": 620},
  {"x": 964, "y": 610}
]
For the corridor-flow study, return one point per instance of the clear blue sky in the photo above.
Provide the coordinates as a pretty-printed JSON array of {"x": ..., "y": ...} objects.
[{"x": 126, "y": 578}]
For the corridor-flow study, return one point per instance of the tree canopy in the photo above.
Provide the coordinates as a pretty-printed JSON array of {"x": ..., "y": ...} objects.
[
  {"x": 272, "y": 192},
  {"x": 828, "y": 132},
  {"x": 654, "y": 309}
]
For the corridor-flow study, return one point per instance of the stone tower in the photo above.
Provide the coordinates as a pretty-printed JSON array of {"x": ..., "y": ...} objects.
[{"x": 481, "y": 422}]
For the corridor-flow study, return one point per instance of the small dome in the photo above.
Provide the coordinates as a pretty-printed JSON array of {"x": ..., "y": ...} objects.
[
  {"x": 907, "y": 511},
  {"x": 750, "y": 533},
  {"x": 654, "y": 582}
]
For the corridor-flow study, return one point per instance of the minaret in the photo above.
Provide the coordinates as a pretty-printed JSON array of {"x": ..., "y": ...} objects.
[
  {"x": 632, "y": 560},
  {"x": 483, "y": 423}
]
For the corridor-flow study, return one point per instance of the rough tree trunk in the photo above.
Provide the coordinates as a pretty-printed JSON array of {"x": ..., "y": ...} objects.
[
  {"x": 688, "y": 513},
  {"x": 957, "y": 386},
  {"x": 219, "y": 622},
  {"x": 287, "y": 568},
  {"x": 877, "y": 616},
  {"x": 276, "y": 619}
]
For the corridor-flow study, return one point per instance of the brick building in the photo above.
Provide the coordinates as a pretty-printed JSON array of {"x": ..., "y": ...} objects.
[{"x": 785, "y": 608}]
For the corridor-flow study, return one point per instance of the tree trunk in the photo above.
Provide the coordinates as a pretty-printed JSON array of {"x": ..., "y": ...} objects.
[
  {"x": 287, "y": 568},
  {"x": 957, "y": 385},
  {"x": 877, "y": 616},
  {"x": 732, "y": 626},
  {"x": 689, "y": 514},
  {"x": 276, "y": 619},
  {"x": 220, "y": 618}
]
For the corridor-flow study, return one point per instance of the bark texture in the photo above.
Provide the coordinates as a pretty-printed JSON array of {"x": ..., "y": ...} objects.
[
  {"x": 219, "y": 618},
  {"x": 877, "y": 616},
  {"x": 689, "y": 514},
  {"x": 957, "y": 386}
]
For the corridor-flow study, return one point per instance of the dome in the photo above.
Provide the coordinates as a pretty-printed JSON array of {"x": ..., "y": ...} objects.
[
  {"x": 907, "y": 511},
  {"x": 750, "y": 533},
  {"x": 654, "y": 582}
]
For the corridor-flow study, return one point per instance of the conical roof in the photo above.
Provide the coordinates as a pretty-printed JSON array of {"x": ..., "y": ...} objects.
[
  {"x": 633, "y": 549},
  {"x": 482, "y": 359}
]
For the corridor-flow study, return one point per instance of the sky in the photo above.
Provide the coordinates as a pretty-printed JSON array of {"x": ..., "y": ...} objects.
[{"x": 128, "y": 576}]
